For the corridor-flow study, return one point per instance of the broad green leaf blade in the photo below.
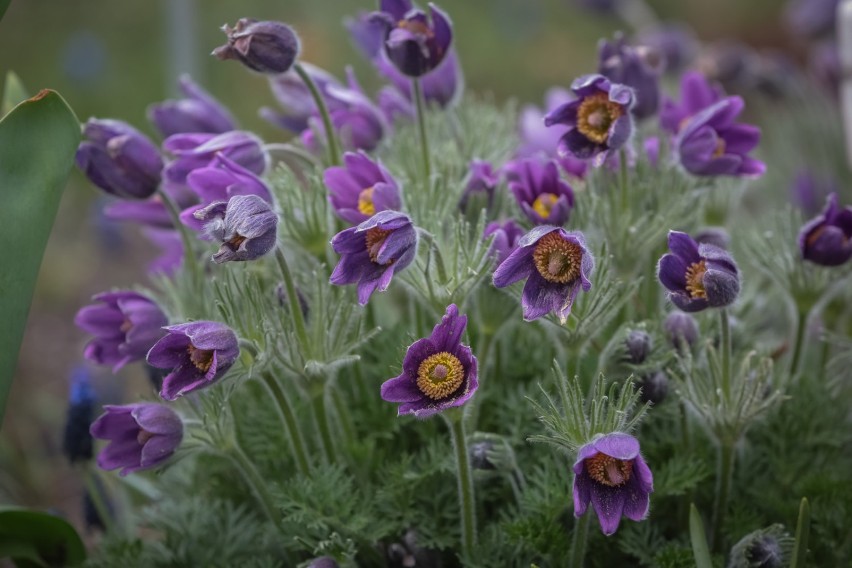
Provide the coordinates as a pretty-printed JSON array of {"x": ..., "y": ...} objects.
[
  {"x": 3, "y": 5},
  {"x": 38, "y": 140},
  {"x": 33, "y": 538},
  {"x": 13, "y": 92},
  {"x": 699, "y": 539},
  {"x": 803, "y": 528}
]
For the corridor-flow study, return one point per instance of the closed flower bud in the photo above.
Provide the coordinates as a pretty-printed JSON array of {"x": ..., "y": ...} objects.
[
  {"x": 246, "y": 226},
  {"x": 680, "y": 329},
  {"x": 764, "y": 548},
  {"x": 827, "y": 239},
  {"x": 267, "y": 47},
  {"x": 76, "y": 440},
  {"x": 479, "y": 455},
  {"x": 638, "y": 344},
  {"x": 655, "y": 387}
]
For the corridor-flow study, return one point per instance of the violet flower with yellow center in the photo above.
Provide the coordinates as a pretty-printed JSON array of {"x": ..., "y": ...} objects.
[
  {"x": 698, "y": 276},
  {"x": 361, "y": 188},
  {"x": 438, "y": 372},
  {"x": 542, "y": 195}
]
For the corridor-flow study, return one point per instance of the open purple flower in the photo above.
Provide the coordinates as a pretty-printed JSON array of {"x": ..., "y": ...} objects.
[
  {"x": 712, "y": 144},
  {"x": 245, "y": 225},
  {"x": 438, "y": 372},
  {"x": 199, "y": 150},
  {"x": 538, "y": 140},
  {"x": 361, "y": 188},
  {"x": 415, "y": 44},
  {"x": 637, "y": 67},
  {"x": 372, "y": 252},
  {"x": 696, "y": 94},
  {"x": 698, "y": 276},
  {"x": 482, "y": 181},
  {"x": 265, "y": 46},
  {"x": 506, "y": 236},
  {"x": 125, "y": 325},
  {"x": 542, "y": 195},
  {"x": 827, "y": 239},
  {"x": 555, "y": 263},
  {"x": 141, "y": 436},
  {"x": 599, "y": 120},
  {"x": 611, "y": 473},
  {"x": 198, "y": 354},
  {"x": 198, "y": 112}
]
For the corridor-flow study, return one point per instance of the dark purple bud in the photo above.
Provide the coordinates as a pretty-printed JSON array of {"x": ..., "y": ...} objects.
[
  {"x": 637, "y": 67},
  {"x": 764, "y": 548},
  {"x": 543, "y": 196},
  {"x": 76, "y": 440},
  {"x": 698, "y": 276},
  {"x": 479, "y": 455},
  {"x": 654, "y": 387},
  {"x": 361, "y": 188},
  {"x": 415, "y": 44},
  {"x": 716, "y": 236},
  {"x": 267, "y": 47},
  {"x": 680, "y": 328},
  {"x": 246, "y": 226},
  {"x": 198, "y": 112},
  {"x": 638, "y": 344},
  {"x": 600, "y": 6},
  {"x": 141, "y": 436},
  {"x": 119, "y": 159},
  {"x": 480, "y": 184},
  {"x": 827, "y": 239}
]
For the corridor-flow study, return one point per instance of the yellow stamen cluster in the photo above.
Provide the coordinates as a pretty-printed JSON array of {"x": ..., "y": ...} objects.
[
  {"x": 201, "y": 358},
  {"x": 556, "y": 259},
  {"x": 416, "y": 27},
  {"x": 609, "y": 471},
  {"x": 544, "y": 203},
  {"x": 375, "y": 239},
  {"x": 365, "y": 202},
  {"x": 440, "y": 375},
  {"x": 595, "y": 116},
  {"x": 695, "y": 279}
]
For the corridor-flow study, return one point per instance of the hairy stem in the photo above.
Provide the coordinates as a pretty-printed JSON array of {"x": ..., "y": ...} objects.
[
  {"x": 725, "y": 325},
  {"x": 288, "y": 419},
  {"x": 799, "y": 345},
  {"x": 331, "y": 138},
  {"x": 417, "y": 90},
  {"x": 292, "y": 299},
  {"x": 321, "y": 415},
  {"x": 724, "y": 475},
  {"x": 578, "y": 544},
  {"x": 456, "y": 424}
]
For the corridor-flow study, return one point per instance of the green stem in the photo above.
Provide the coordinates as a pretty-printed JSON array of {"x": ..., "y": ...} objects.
[
  {"x": 288, "y": 418},
  {"x": 798, "y": 347},
  {"x": 439, "y": 258},
  {"x": 724, "y": 475},
  {"x": 331, "y": 139},
  {"x": 578, "y": 545},
  {"x": 254, "y": 481},
  {"x": 417, "y": 90},
  {"x": 456, "y": 424},
  {"x": 96, "y": 494},
  {"x": 189, "y": 260},
  {"x": 292, "y": 298},
  {"x": 622, "y": 161},
  {"x": 321, "y": 416},
  {"x": 725, "y": 325}
]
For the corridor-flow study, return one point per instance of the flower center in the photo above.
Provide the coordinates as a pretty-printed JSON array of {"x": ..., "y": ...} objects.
[
  {"x": 609, "y": 471},
  {"x": 236, "y": 241},
  {"x": 440, "y": 375},
  {"x": 126, "y": 326},
  {"x": 556, "y": 259},
  {"x": 595, "y": 116},
  {"x": 143, "y": 436},
  {"x": 201, "y": 358},
  {"x": 416, "y": 27},
  {"x": 365, "y": 202},
  {"x": 544, "y": 203},
  {"x": 695, "y": 279},
  {"x": 376, "y": 237},
  {"x": 720, "y": 148}
]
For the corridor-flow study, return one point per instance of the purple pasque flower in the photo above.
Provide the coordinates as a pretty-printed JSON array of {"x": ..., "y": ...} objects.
[
  {"x": 481, "y": 180},
  {"x": 119, "y": 159},
  {"x": 198, "y": 112},
  {"x": 372, "y": 252},
  {"x": 199, "y": 150},
  {"x": 367, "y": 33},
  {"x": 675, "y": 41},
  {"x": 696, "y": 94},
  {"x": 712, "y": 144},
  {"x": 611, "y": 473},
  {"x": 827, "y": 239},
  {"x": 556, "y": 264},
  {"x": 295, "y": 98},
  {"x": 198, "y": 354},
  {"x": 599, "y": 120},
  {"x": 361, "y": 188},
  {"x": 415, "y": 43},
  {"x": 637, "y": 67},
  {"x": 438, "y": 372},
  {"x": 505, "y": 238},
  {"x": 442, "y": 86},
  {"x": 245, "y": 225},
  {"x": 125, "y": 325},
  {"x": 680, "y": 329},
  {"x": 698, "y": 276},
  {"x": 141, "y": 436},
  {"x": 544, "y": 197},
  {"x": 543, "y": 141},
  {"x": 152, "y": 212},
  {"x": 265, "y": 46}
]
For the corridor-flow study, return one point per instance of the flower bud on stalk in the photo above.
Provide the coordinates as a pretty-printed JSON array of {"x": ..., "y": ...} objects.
[{"x": 266, "y": 47}]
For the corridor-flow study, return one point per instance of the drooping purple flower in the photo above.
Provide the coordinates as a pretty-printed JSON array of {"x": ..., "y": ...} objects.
[
  {"x": 171, "y": 245},
  {"x": 538, "y": 140},
  {"x": 696, "y": 94},
  {"x": 809, "y": 190},
  {"x": 246, "y": 226},
  {"x": 555, "y": 263},
  {"x": 544, "y": 197},
  {"x": 198, "y": 112},
  {"x": 193, "y": 151},
  {"x": 442, "y": 86},
  {"x": 198, "y": 354},
  {"x": 372, "y": 252},
  {"x": 76, "y": 440},
  {"x": 827, "y": 239},
  {"x": 265, "y": 46},
  {"x": 505, "y": 238},
  {"x": 698, "y": 276},
  {"x": 141, "y": 436},
  {"x": 680, "y": 328},
  {"x": 481, "y": 181},
  {"x": 611, "y": 473},
  {"x": 811, "y": 18},
  {"x": 438, "y": 372},
  {"x": 125, "y": 325},
  {"x": 599, "y": 120},
  {"x": 119, "y": 159},
  {"x": 415, "y": 43},
  {"x": 361, "y": 188},
  {"x": 712, "y": 144},
  {"x": 676, "y": 42},
  {"x": 637, "y": 67}
]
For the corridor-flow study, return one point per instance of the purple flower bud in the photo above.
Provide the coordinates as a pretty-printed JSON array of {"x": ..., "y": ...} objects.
[
  {"x": 696, "y": 94},
  {"x": 415, "y": 44},
  {"x": 637, "y": 67},
  {"x": 361, "y": 188},
  {"x": 698, "y": 276},
  {"x": 119, "y": 159},
  {"x": 125, "y": 325},
  {"x": 141, "y": 436},
  {"x": 295, "y": 98},
  {"x": 267, "y": 47},
  {"x": 481, "y": 181},
  {"x": 655, "y": 387},
  {"x": 827, "y": 239},
  {"x": 194, "y": 151},
  {"x": 680, "y": 328},
  {"x": 198, "y": 354},
  {"x": 638, "y": 344},
  {"x": 198, "y": 112},
  {"x": 506, "y": 236},
  {"x": 76, "y": 440},
  {"x": 541, "y": 194},
  {"x": 438, "y": 372},
  {"x": 538, "y": 140},
  {"x": 716, "y": 236},
  {"x": 479, "y": 456},
  {"x": 246, "y": 226},
  {"x": 600, "y": 6}
]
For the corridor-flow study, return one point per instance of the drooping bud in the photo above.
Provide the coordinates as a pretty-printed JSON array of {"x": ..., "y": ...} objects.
[
  {"x": 638, "y": 344},
  {"x": 680, "y": 329},
  {"x": 266, "y": 47},
  {"x": 246, "y": 226}
]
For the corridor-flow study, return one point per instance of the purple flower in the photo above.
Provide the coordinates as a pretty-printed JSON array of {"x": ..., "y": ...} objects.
[
  {"x": 481, "y": 180},
  {"x": 151, "y": 212},
  {"x": 361, "y": 188},
  {"x": 638, "y": 345},
  {"x": 696, "y": 94},
  {"x": 438, "y": 372},
  {"x": 267, "y": 47},
  {"x": 599, "y": 120},
  {"x": 541, "y": 194},
  {"x": 373, "y": 251},
  {"x": 542, "y": 141},
  {"x": 676, "y": 42},
  {"x": 125, "y": 325},
  {"x": 811, "y": 18},
  {"x": 198, "y": 353},
  {"x": 141, "y": 436},
  {"x": 245, "y": 225},
  {"x": 367, "y": 33},
  {"x": 198, "y": 112},
  {"x": 637, "y": 67},
  {"x": 651, "y": 145},
  {"x": 698, "y": 276},
  {"x": 809, "y": 190},
  {"x": 199, "y": 150},
  {"x": 506, "y": 236},
  {"x": 712, "y": 144},
  {"x": 827, "y": 239},
  {"x": 414, "y": 44},
  {"x": 555, "y": 263},
  {"x": 680, "y": 328},
  {"x": 611, "y": 473},
  {"x": 119, "y": 159},
  {"x": 295, "y": 98},
  {"x": 442, "y": 86}
]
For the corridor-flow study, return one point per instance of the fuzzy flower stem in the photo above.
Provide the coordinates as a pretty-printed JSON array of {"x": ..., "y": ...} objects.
[
  {"x": 726, "y": 353},
  {"x": 578, "y": 544},
  {"x": 333, "y": 151},
  {"x": 799, "y": 345},
  {"x": 622, "y": 162},
  {"x": 188, "y": 258},
  {"x": 96, "y": 494},
  {"x": 442, "y": 267},
  {"x": 288, "y": 418},
  {"x": 321, "y": 415},
  {"x": 455, "y": 421},
  {"x": 724, "y": 476},
  {"x": 292, "y": 298},
  {"x": 417, "y": 89},
  {"x": 254, "y": 480}
]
